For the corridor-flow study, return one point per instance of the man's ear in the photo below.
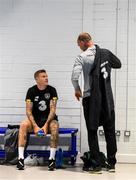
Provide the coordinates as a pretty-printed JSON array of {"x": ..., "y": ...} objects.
[{"x": 36, "y": 78}]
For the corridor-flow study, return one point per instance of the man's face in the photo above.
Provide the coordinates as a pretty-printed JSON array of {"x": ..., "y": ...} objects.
[
  {"x": 42, "y": 79},
  {"x": 83, "y": 46}
]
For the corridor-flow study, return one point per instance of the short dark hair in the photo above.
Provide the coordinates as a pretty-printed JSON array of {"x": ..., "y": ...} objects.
[
  {"x": 84, "y": 37},
  {"x": 36, "y": 74}
]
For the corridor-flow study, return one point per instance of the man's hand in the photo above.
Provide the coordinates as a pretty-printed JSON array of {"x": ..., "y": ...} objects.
[
  {"x": 45, "y": 128},
  {"x": 78, "y": 94},
  {"x": 36, "y": 129}
]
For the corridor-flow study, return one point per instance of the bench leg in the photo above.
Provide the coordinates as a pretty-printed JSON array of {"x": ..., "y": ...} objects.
[{"x": 73, "y": 148}]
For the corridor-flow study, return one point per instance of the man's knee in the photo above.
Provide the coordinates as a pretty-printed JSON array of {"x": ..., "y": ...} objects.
[
  {"x": 54, "y": 126},
  {"x": 25, "y": 125}
]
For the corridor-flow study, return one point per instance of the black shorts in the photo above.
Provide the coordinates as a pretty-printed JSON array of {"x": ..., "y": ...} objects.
[{"x": 40, "y": 122}]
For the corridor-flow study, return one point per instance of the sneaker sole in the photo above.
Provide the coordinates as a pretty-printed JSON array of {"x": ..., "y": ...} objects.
[
  {"x": 95, "y": 172},
  {"x": 111, "y": 170},
  {"x": 51, "y": 169},
  {"x": 20, "y": 168},
  {"x": 85, "y": 171}
]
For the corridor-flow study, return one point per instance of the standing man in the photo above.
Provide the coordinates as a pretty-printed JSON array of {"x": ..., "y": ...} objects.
[
  {"x": 41, "y": 100},
  {"x": 98, "y": 104}
]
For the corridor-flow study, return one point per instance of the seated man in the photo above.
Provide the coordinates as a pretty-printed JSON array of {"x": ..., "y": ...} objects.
[{"x": 41, "y": 102}]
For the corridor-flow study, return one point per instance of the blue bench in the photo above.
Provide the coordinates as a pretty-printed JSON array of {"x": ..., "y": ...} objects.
[{"x": 72, "y": 152}]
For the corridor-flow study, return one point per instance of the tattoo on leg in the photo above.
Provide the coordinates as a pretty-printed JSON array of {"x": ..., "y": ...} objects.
[
  {"x": 54, "y": 136},
  {"x": 25, "y": 137}
]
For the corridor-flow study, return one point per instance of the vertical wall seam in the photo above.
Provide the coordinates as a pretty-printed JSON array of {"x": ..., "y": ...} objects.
[
  {"x": 116, "y": 51},
  {"x": 82, "y": 27},
  {"x": 127, "y": 65}
]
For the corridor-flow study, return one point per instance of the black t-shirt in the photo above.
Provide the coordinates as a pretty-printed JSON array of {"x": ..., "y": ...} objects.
[{"x": 41, "y": 102}]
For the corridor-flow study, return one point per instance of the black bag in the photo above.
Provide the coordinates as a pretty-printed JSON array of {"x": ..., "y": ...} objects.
[
  {"x": 90, "y": 162},
  {"x": 11, "y": 144}
]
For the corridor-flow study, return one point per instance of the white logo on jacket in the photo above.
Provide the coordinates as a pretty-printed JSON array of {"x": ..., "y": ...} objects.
[{"x": 103, "y": 70}]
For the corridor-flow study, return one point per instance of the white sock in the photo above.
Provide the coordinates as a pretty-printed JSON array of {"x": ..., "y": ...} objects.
[
  {"x": 52, "y": 153},
  {"x": 21, "y": 152}
]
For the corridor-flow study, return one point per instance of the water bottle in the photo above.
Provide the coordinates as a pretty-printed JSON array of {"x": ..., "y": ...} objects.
[
  {"x": 59, "y": 158},
  {"x": 40, "y": 133}
]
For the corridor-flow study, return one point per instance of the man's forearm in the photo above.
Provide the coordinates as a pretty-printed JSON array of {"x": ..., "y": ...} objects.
[
  {"x": 31, "y": 118},
  {"x": 50, "y": 116},
  {"x": 75, "y": 85}
]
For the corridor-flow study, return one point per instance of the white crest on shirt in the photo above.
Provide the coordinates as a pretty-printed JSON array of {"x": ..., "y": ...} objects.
[{"x": 47, "y": 95}]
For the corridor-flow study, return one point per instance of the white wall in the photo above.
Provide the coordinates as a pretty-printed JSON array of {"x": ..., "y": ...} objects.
[{"x": 37, "y": 34}]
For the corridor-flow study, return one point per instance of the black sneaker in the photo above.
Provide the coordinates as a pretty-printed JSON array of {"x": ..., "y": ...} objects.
[
  {"x": 111, "y": 168},
  {"x": 85, "y": 168},
  {"x": 95, "y": 170},
  {"x": 20, "y": 164},
  {"x": 51, "y": 164}
]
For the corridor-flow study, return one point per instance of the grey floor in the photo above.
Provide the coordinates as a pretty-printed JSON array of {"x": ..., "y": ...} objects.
[{"x": 123, "y": 172}]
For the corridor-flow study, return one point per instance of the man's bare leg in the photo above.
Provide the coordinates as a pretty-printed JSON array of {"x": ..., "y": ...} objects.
[
  {"x": 53, "y": 128},
  {"x": 25, "y": 127}
]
